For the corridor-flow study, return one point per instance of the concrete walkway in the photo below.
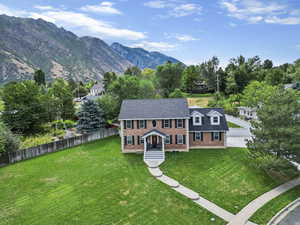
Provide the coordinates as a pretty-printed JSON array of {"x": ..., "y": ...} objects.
[
  {"x": 238, "y": 121},
  {"x": 244, "y": 215}
]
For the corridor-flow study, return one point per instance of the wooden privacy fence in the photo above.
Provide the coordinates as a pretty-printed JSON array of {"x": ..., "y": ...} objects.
[{"x": 55, "y": 146}]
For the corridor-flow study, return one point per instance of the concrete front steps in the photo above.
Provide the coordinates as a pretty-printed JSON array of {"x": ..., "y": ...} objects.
[{"x": 154, "y": 158}]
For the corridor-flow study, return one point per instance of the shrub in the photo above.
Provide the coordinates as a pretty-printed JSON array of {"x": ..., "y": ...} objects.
[
  {"x": 62, "y": 124},
  {"x": 8, "y": 141}
]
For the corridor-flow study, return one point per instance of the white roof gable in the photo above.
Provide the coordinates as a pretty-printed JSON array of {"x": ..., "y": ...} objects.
[{"x": 214, "y": 113}]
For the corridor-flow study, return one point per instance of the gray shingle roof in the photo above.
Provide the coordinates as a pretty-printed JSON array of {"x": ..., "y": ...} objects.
[
  {"x": 167, "y": 108},
  {"x": 206, "y": 125}
]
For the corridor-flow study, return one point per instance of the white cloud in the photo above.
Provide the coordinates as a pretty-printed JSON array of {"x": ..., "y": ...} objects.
[
  {"x": 185, "y": 37},
  {"x": 88, "y": 25},
  {"x": 44, "y": 7},
  {"x": 154, "y": 46},
  {"x": 186, "y": 10},
  {"x": 232, "y": 24},
  {"x": 175, "y": 8},
  {"x": 11, "y": 12},
  {"x": 156, "y": 4},
  {"x": 104, "y": 7},
  {"x": 286, "y": 20},
  {"x": 255, "y": 11},
  {"x": 78, "y": 22}
]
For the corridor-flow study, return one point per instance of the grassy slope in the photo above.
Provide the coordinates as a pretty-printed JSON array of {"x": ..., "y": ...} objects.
[
  {"x": 233, "y": 125},
  {"x": 199, "y": 101},
  {"x": 266, "y": 213},
  {"x": 92, "y": 184},
  {"x": 223, "y": 176}
]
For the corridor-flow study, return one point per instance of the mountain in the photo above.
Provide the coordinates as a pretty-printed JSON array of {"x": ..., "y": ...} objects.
[
  {"x": 29, "y": 44},
  {"x": 142, "y": 58}
]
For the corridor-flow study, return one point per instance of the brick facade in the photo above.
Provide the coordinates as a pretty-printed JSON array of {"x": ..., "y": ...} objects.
[
  {"x": 207, "y": 140},
  {"x": 135, "y": 131}
]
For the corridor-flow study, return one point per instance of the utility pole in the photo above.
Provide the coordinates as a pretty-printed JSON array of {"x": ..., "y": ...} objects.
[{"x": 218, "y": 83}]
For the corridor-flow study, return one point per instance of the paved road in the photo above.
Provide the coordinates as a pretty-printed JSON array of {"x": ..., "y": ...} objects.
[
  {"x": 293, "y": 218},
  {"x": 244, "y": 215}
]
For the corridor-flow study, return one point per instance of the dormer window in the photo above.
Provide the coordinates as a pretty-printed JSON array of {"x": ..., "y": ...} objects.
[
  {"x": 197, "y": 118},
  {"x": 215, "y": 117}
]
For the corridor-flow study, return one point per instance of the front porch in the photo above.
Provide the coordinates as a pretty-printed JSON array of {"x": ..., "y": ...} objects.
[{"x": 154, "y": 149}]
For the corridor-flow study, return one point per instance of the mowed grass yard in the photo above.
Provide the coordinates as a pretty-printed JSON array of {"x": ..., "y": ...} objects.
[
  {"x": 200, "y": 100},
  {"x": 92, "y": 184},
  {"x": 223, "y": 176}
]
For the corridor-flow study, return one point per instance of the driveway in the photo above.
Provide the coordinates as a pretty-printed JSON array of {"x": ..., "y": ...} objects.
[{"x": 237, "y": 137}]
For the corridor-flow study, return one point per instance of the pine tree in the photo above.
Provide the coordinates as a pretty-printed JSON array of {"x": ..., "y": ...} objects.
[{"x": 90, "y": 117}]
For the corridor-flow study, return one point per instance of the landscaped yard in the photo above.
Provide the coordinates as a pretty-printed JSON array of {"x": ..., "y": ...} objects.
[
  {"x": 266, "y": 213},
  {"x": 92, "y": 184},
  {"x": 223, "y": 176},
  {"x": 233, "y": 125}
]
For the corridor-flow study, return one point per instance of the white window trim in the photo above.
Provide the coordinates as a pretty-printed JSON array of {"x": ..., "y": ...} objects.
[
  {"x": 129, "y": 123},
  {"x": 131, "y": 140},
  {"x": 218, "y": 134},
  {"x": 142, "y": 122},
  {"x": 181, "y": 123},
  {"x": 198, "y": 139},
  {"x": 212, "y": 120},
  {"x": 181, "y": 138},
  {"x": 167, "y": 140},
  {"x": 200, "y": 120},
  {"x": 168, "y": 121}
]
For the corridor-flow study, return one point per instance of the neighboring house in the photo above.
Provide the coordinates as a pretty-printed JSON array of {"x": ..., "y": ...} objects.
[
  {"x": 295, "y": 86},
  {"x": 97, "y": 90},
  {"x": 247, "y": 112},
  {"x": 154, "y": 126}
]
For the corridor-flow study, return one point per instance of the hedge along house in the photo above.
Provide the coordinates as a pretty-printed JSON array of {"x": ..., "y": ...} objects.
[{"x": 154, "y": 126}]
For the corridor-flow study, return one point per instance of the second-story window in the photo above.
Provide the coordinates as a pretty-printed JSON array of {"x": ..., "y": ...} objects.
[
  {"x": 166, "y": 123},
  {"x": 142, "y": 123},
  {"x": 128, "y": 123},
  {"x": 215, "y": 120},
  {"x": 179, "y": 123},
  {"x": 154, "y": 123}
]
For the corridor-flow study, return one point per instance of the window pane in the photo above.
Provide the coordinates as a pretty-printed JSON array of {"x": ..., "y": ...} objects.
[
  {"x": 168, "y": 139},
  {"x": 197, "y": 119},
  {"x": 180, "y": 139},
  {"x": 142, "y": 124},
  {"x": 154, "y": 123},
  {"x": 198, "y": 135},
  {"x": 179, "y": 123},
  {"x": 216, "y": 135},
  {"x": 128, "y": 124},
  {"x": 129, "y": 140},
  {"x": 216, "y": 119},
  {"x": 166, "y": 125}
]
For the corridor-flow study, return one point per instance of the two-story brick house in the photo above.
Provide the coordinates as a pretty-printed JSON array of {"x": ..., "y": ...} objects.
[{"x": 154, "y": 126}]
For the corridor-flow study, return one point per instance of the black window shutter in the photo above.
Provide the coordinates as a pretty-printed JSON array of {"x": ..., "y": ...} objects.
[
  {"x": 176, "y": 139},
  {"x": 124, "y": 124},
  {"x": 138, "y": 140},
  {"x": 170, "y": 124},
  {"x": 183, "y": 123},
  {"x": 132, "y": 124},
  {"x": 220, "y": 136},
  {"x": 170, "y": 139},
  {"x": 132, "y": 140},
  {"x": 125, "y": 140},
  {"x": 202, "y": 120},
  {"x": 145, "y": 123},
  {"x": 194, "y": 136},
  {"x": 201, "y": 136},
  {"x": 162, "y": 123},
  {"x": 138, "y": 124},
  {"x": 212, "y": 136},
  {"x": 184, "y": 137},
  {"x": 176, "y": 125}
]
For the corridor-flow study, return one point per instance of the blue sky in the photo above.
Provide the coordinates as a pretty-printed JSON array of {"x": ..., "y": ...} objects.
[{"x": 192, "y": 31}]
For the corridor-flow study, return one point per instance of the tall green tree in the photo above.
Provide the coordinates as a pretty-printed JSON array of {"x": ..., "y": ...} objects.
[
  {"x": 39, "y": 77},
  {"x": 108, "y": 78},
  {"x": 169, "y": 77},
  {"x": 191, "y": 76},
  {"x": 90, "y": 117},
  {"x": 209, "y": 72},
  {"x": 133, "y": 71},
  {"x": 110, "y": 106},
  {"x": 63, "y": 95},
  {"x": 278, "y": 130},
  {"x": 24, "y": 110}
]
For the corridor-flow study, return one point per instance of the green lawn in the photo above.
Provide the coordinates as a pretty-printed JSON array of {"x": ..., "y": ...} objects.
[
  {"x": 233, "y": 125},
  {"x": 223, "y": 176},
  {"x": 266, "y": 213},
  {"x": 93, "y": 184}
]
